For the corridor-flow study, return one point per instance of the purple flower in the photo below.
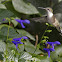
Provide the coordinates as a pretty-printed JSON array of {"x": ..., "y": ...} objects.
[
  {"x": 52, "y": 43},
  {"x": 48, "y": 50},
  {"x": 23, "y": 21},
  {"x": 17, "y": 41},
  {"x": 4, "y": 19},
  {"x": 51, "y": 49}
]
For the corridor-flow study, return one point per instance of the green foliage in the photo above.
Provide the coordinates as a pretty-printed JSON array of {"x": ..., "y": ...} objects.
[
  {"x": 49, "y": 31},
  {"x": 2, "y": 46},
  {"x": 31, "y": 48},
  {"x": 4, "y": 13},
  {"x": 25, "y": 33},
  {"x": 57, "y": 55},
  {"x": 2, "y": 6},
  {"x": 26, "y": 7},
  {"x": 9, "y": 29},
  {"x": 4, "y": 30}
]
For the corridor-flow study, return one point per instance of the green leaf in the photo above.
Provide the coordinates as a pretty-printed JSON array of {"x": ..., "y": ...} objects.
[
  {"x": 24, "y": 7},
  {"x": 3, "y": 25},
  {"x": 46, "y": 37},
  {"x": 11, "y": 46},
  {"x": 34, "y": 59},
  {"x": 26, "y": 56},
  {"x": 2, "y": 6},
  {"x": 4, "y": 14},
  {"x": 2, "y": 46},
  {"x": 1, "y": 0},
  {"x": 25, "y": 33},
  {"x": 47, "y": 60},
  {"x": 31, "y": 48},
  {"x": 10, "y": 7},
  {"x": 47, "y": 24},
  {"x": 48, "y": 31},
  {"x": 57, "y": 54},
  {"x": 21, "y": 60},
  {"x": 12, "y": 32},
  {"x": 21, "y": 48},
  {"x": 43, "y": 58},
  {"x": 43, "y": 41},
  {"x": 14, "y": 22}
]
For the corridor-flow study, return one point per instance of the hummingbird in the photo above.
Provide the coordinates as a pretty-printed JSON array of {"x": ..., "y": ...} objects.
[{"x": 51, "y": 18}]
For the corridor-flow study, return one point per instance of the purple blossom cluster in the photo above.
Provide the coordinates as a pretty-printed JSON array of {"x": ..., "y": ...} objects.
[
  {"x": 23, "y": 21},
  {"x": 17, "y": 41},
  {"x": 51, "y": 49}
]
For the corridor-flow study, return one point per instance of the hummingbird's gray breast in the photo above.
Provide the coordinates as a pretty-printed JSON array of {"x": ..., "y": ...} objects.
[{"x": 50, "y": 18}]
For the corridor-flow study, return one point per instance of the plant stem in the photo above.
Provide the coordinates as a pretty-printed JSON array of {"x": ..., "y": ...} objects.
[
  {"x": 43, "y": 34},
  {"x": 7, "y": 39},
  {"x": 36, "y": 40},
  {"x": 8, "y": 31},
  {"x": 41, "y": 38}
]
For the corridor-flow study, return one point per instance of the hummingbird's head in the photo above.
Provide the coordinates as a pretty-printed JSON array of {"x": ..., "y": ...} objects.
[{"x": 48, "y": 9}]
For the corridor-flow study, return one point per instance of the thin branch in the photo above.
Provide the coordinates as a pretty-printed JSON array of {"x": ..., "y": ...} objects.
[{"x": 36, "y": 40}]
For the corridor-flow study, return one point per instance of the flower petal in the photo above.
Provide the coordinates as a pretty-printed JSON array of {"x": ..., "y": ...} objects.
[
  {"x": 48, "y": 53},
  {"x": 14, "y": 42},
  {"x": 17, "y": 46},
  {"x": 24, "y": 37},
  {"x": 26, "y": 21},
  {"x": 50, "y": 43},
  {"x": 46, "y": 49},
  {"x": 4, "y": 19},
  {"x": 22, "y": 21},
  {"x": 51, "y": 49},
  {"x": 57, "y": 42},
  {"x": 21, "y": 43},
  {"x": 18, "y": 20},
  {"x": 16, "y": 39},
  {"x": 22, "y": 25}
]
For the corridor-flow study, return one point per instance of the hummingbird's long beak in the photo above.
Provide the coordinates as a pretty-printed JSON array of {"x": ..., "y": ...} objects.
[{"x": 41, "y": 8}]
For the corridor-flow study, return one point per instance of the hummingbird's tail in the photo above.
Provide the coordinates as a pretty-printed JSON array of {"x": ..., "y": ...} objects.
[{"x": 60, "y": 30}]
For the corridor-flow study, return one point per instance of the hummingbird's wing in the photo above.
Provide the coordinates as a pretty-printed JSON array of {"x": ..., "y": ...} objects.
[{"x": 39, "y": 19}]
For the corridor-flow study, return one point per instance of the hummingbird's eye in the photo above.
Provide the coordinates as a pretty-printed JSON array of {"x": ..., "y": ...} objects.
[{"x": 47, "y": 9}]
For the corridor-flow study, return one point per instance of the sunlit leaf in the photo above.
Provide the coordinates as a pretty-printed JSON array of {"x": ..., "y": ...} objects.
[
  {"x": 14, "y": 22},
  {"x": 57, "y": 53},
  {"x": 48, "y": 31},
  {"x": 12, "y": 32},
  {"x": 46, "y": 37},
  {"x": 2, "y": 46},
  {"x": 31, "y": 48},
  {"x": 25, "y": 33},
  {"x": 2, "y": 6},
  {"x": 5, "y": 13},
  {"x": 24, "y": 7},
  {"x": 26, "y": 56},
  {"x": 1, "y": 1}
]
